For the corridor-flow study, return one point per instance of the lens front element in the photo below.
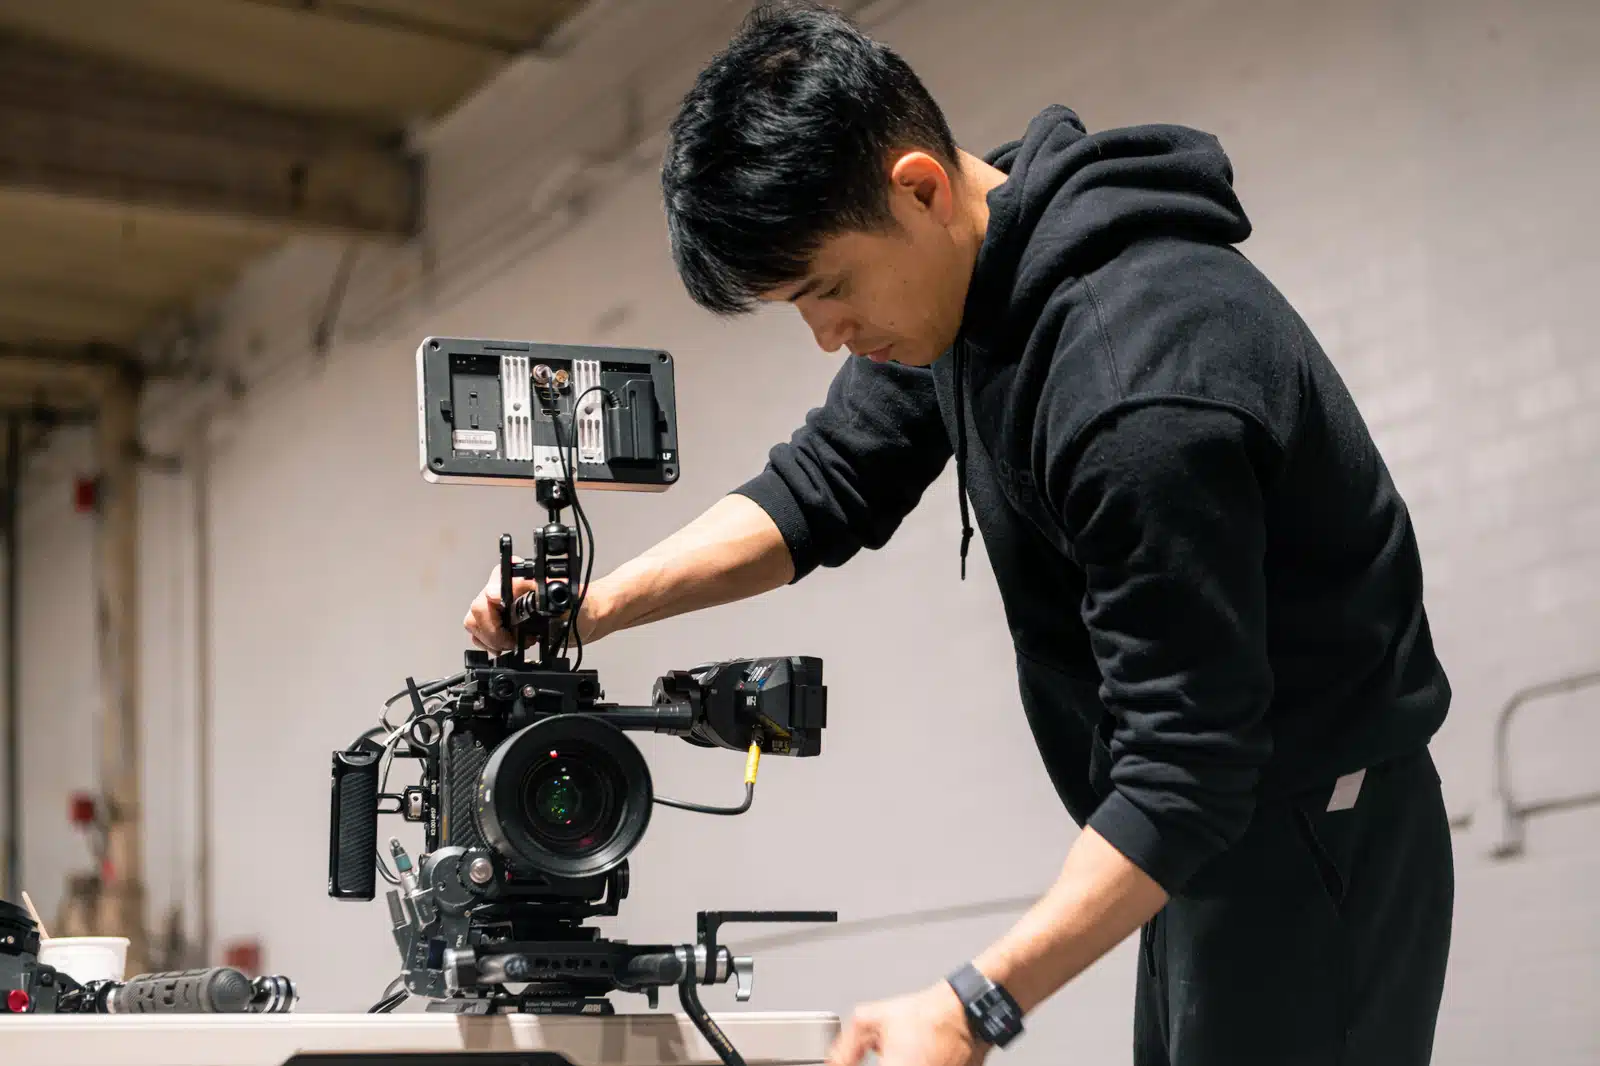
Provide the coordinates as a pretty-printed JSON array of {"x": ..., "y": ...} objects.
[
  {"x": 569, "y": 803},
  {"x": 568, "y": 796}
]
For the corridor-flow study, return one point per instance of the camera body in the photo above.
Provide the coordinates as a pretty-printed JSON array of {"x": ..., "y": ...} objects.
[
  {"x": 533, "y": 767},
  {"x": 531, "y": 770},
  {"x": 532, "y": 796}
]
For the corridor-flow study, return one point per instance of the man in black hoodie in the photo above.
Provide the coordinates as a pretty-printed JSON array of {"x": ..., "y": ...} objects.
[{"x": 1212, "y": 585}]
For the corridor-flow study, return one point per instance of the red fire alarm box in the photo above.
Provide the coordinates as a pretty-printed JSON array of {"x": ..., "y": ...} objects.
[
  {"x": 81, "y": 813},
  {"x": 86, "y": 495}
]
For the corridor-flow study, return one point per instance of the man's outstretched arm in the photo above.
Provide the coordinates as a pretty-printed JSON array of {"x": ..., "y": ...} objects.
[
  {"x": 732, "y": 551},
  {"x": 844, "y": 481},
  {"x": 1099, "y": 900}
]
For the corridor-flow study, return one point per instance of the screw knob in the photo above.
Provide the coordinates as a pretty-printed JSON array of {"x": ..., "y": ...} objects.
[{"x": 480, "y": 870}]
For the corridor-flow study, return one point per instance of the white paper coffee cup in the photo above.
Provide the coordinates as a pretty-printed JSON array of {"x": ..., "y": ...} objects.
[{"x": 86, "y": 958}]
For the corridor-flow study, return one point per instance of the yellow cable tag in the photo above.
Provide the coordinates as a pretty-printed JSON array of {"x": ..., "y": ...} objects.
[{"x": 751, "y": 763}]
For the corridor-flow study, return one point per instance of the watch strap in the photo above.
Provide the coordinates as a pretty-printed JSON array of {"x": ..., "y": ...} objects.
[{"x": 992, "y": 1013}]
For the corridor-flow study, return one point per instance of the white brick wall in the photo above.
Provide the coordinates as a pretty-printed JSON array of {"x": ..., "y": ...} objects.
[{"x": 1421, "y": 177}]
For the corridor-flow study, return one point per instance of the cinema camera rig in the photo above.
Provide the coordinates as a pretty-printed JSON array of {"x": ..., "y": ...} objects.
[{"x": 531, "y": 794}]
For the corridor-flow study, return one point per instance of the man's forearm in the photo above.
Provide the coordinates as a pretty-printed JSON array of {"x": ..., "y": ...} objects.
[
  {"x": 1099, "y": 900},
  {"x": 731, "y": 552}
]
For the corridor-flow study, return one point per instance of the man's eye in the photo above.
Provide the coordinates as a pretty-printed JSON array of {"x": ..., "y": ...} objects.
[{"x": 835, "y": 291}]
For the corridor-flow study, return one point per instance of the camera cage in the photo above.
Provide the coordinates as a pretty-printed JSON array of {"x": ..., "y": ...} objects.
[{"x": 493, "y": 900}]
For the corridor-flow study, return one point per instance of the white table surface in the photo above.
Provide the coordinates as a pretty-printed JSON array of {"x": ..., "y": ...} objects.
[{"x": 645, "y": 1039}]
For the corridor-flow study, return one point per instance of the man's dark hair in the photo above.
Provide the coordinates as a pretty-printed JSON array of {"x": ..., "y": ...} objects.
[{"x": 784, "y": 142}]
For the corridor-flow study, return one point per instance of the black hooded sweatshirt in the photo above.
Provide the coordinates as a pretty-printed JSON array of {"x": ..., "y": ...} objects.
[{"x": 1212, "y": 585}]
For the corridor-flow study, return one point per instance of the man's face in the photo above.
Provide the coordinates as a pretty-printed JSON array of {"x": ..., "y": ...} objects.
[{"x": 895, "y": 295}]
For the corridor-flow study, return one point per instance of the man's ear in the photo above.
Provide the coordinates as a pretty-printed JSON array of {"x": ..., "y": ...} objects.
[{"x": 924, "y": 179}]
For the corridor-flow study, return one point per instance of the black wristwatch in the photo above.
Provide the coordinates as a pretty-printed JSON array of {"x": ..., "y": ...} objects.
[{"x": 993, "y": 1015}]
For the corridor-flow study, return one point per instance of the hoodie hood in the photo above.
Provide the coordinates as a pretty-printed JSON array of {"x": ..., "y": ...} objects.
[{"x": 1071, "y": 201}]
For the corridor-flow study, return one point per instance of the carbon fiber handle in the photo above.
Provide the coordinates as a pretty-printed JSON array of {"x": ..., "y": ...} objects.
[{"x": 353, "y": 825}]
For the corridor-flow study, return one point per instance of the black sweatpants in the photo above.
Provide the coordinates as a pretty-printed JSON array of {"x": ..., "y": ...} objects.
[{"x": 1320, "y": 939}]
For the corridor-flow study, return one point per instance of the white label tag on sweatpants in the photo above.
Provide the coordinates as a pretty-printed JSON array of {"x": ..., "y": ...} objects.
[{"x": 1345, "y": 791}]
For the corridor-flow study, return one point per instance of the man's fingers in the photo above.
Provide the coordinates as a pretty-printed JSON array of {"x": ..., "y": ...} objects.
[
  {"x": 483, "y": 624},
  {"x": 859, "y": 1036}
]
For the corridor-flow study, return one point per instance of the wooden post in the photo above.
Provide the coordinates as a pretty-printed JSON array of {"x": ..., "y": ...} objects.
[
  {"x": 200, "y": 465},
  {"x": 13, "y": 710},
  {"x": 117, "y": 627}
]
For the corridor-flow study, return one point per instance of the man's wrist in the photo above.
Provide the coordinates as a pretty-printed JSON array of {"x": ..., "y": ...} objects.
[
  {"x": 1004, "y": 969},
  {"x": 993, "y": 1015}
]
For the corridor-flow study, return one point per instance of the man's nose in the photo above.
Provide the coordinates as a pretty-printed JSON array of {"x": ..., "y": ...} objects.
[{"x": 830, "y": 333}]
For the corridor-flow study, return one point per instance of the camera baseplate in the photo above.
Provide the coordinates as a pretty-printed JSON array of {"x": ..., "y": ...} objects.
[{"x": 568, "y": 970}]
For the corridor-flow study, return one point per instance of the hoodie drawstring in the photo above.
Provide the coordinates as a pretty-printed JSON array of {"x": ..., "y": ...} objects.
[{"x": 961, "y": 451}]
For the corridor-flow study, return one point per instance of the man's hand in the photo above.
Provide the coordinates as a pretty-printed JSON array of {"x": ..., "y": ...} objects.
[
  {"x": 926, "y": 1028},
  {"x": 731, "y": 552},
  {"x": 483, "y": 621}
]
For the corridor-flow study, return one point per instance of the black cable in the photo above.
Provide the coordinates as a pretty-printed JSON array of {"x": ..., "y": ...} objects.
[
  {"x": 374, "y": 731},
  {"x": 572, "y": 498},
  {"x": 392, "y": 997},
  {"x": 389, "y": 1003},
  {"x": 383, "y": 786},
  {"x": 584, "y": 554},
  {"x": 586, "y": 558},
  {"x": 573, "y": 631},
  {"x": 700, "y": 808},
  {"x": 751, "y": 767}
]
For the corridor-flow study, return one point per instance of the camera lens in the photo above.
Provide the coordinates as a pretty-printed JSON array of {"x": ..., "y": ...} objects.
[
  {"x": 568, "y": 802},
  {"x": 558, "y": 800},
  {"x": 568, "y": 796}
]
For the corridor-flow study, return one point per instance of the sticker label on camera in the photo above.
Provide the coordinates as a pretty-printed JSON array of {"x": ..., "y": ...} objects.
[{"x": 475, "y": 440}]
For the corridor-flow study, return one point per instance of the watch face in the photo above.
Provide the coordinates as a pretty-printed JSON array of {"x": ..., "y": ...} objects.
[
  {"x": 997, "y": 1020},
  {"x": 992, "y": 1013}
]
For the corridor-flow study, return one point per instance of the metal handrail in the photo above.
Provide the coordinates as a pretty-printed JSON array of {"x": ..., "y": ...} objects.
[{"x": 1508, "y": 840}]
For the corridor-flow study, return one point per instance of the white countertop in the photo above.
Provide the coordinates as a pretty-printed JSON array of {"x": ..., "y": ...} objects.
[{"x": 645, "y": 1039}]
